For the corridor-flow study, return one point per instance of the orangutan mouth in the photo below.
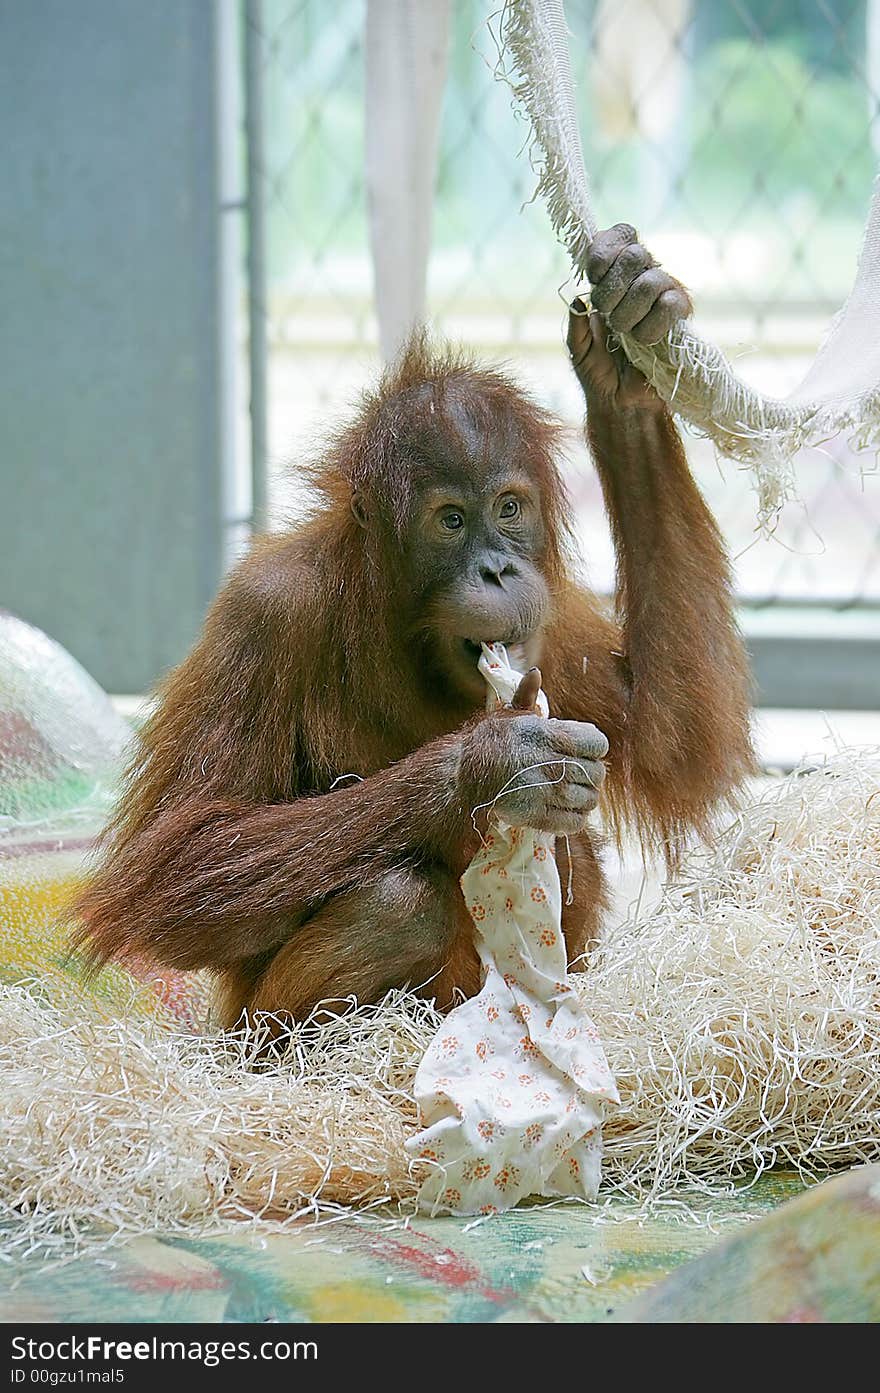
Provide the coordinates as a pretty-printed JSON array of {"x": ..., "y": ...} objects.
[{"x": 515, "y": 648}]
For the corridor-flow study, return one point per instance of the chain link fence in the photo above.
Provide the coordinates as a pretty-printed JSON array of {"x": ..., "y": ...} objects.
[{"x": 740, "y": 139}]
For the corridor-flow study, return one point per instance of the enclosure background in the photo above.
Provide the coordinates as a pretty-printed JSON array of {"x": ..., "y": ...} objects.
[{"x": 741, "y": 140}]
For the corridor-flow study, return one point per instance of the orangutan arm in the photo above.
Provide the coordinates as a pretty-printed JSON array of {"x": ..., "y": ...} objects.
[
  {"x": 684, "y": 731},
  {"x": 204, "y": 869}
]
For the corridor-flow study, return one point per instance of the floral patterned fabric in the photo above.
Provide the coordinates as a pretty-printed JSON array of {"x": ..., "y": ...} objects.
[{"x": 512, "y": 1087}]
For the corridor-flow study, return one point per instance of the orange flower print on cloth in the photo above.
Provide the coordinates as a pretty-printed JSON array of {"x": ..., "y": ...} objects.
[{"x": 494, "y": 1132}]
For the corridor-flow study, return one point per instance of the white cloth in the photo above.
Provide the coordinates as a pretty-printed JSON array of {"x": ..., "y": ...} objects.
[
  {"x": 841, "y": 391},
  {"x": 512, "y": 1087},
  {"x": 407, "y": 46}
]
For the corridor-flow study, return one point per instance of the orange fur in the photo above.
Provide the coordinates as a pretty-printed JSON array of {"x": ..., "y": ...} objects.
[{"x": 231, "y": 852}]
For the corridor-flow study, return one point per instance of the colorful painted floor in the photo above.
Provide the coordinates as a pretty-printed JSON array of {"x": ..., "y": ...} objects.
[{"x": 537, "y": 1263}]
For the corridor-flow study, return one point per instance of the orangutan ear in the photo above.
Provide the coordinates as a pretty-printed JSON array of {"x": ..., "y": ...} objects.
[{"x": 359, "y": 508}]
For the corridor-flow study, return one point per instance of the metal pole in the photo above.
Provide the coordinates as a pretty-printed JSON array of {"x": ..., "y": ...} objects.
[{"x": 256, "y": 254}]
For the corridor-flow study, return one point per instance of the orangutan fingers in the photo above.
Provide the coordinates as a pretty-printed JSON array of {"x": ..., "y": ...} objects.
[
  {"x": 577, "y": 740},
  {"x": 579, "y": 338},
  {"x": 641, "y": 296},
  {"x": 605, "y": 247},
  {"x": 671, "y": 306},
  {"x": 617, "y": 281},
  {"x": 590, "y": 773},
  {"x": 526, "y": 695}
]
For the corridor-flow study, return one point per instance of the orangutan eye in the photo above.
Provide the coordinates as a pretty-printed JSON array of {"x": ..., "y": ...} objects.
[
  {"x": 510, "y": 508},
  {"x": 453, "y": 522}
]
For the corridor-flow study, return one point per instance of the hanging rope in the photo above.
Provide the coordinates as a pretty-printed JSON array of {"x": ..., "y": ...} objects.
[{"x": 840, "y": 394}]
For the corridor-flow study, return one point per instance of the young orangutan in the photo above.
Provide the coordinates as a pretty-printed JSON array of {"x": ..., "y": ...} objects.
[{"x": 348, "y": 647}]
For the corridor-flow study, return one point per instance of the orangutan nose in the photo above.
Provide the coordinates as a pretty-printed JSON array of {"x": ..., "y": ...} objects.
[{"x": 495, "y": 572}]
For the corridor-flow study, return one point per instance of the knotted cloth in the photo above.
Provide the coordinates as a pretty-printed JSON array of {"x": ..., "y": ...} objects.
[{"x": 513, "y": 1085}]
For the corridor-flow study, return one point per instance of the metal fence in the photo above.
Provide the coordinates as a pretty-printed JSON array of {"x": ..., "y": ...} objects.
[{"x": 740, "y": 139}]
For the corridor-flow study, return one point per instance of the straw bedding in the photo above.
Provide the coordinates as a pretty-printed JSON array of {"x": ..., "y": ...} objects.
[{"x": 741, "y": 1018}]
